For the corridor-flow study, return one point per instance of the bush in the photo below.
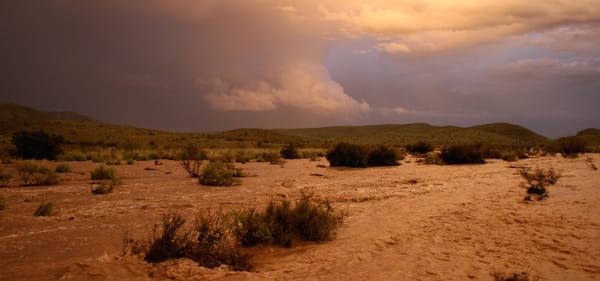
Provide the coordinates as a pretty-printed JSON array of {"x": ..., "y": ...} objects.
[
  {"x": 191, "y": 159},
  {"x": 537, "y": 182},
  {"x": 569, "y": 146},
  {"x": 104, "y": 187},
  {"x": 103, "y": 173},
  {"x": 167, "y": 242},
  {"x": 382, "y": 156},
  {"x": 37, "y": 145},
  {"x": 462, "y": 154},
  {"x": 419, "y": 148},
  {"x": 219, "y": 174},
  {"x": 272, "y": 157},
  {"x": 348, "y": 155},
  {"x": 63, "y": 168},
  {"x": 281, "y": 224},
  {"x": 211, "y": 248},
  {"x": 360, "y": 156},
  {"x": 4, "y": 178},
  {"x": 33, "y": 174},
  {"x": 2, "y": 203},
  {"x": 433, "y": 158},
  {"x": 290, "y": 151},
  {"x": 45, "y": 209}
]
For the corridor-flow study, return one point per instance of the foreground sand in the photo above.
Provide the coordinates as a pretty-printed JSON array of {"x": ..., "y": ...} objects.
[{"x": 411, "y": 222}]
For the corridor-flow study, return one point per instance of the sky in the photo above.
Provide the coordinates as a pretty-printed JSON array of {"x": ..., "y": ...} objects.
[{"x": 210, "y": 65}]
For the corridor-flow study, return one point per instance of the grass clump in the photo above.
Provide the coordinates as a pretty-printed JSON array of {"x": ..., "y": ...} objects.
[
  {"x": 522, "y": 276},
  {"x": 463, "y": 154},
  {"x": 63, "y": 168},
  {"x": 361, "y": 156},
  {"x": 538, "y": 181},
  {"x": 45, "y": 209},
  {"x": 33, "y": 174},
  {"x": 282, "y": 223},
  {"x": 219, "y": 174},
  {"x": 103, "y": 172}
]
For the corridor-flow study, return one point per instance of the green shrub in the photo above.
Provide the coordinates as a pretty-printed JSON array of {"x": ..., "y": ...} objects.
[
  {"x": 4, "y": 178},
  {"x": 382, "y": 156},
  {"x": 191, "y": 159},
  {"x": 219, "y": 174},
  {"x": 63, "y": 168},
  {"x": 433, "y": 158},
  {"x": 290, "y": 151},
  {"x": 45, "y": 209},
  {"x": 360, "y": 156},
  {"x": 37, "y": 145},
  {"x": 348, "y": 155},
  {"x": 462, "y": 154},
  {"x": 33, "y": 174},
  {"x": 537, "y": 182},
  {"x": 569, "y": 146},
  {"x": 419, "y": 148},
  {"x": 103, "y": 172},
  {"x": 281, "y": 224}
]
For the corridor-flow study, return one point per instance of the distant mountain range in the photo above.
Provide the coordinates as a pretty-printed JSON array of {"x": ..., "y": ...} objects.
[{"x": 82, "y": 130}]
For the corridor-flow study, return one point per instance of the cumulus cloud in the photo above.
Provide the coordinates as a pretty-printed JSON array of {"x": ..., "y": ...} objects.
[
  {"x": 304, "y": 86},
  {"x": 393, "y": 47}
]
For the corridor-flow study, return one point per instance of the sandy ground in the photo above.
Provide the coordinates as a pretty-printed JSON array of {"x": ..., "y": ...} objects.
[{"x": 410, "y": 222}]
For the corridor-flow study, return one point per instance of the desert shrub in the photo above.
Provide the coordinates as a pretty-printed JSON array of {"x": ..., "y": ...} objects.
[
  {"x": 360, "y": 156},
  {"x": 103, "y": 172},
  {"x": 537, "y": 181},
  {"x": 433, "y": 158},
  {"x": 269, "y": 156},
  {"x": 348, "y": 155},
  {"x": 191, "y": 159},
  {"x": 281, "y": 224},
  {"x": 382, "y": 156},
  {"x": 211, "y": 248},
  {"x": 419, "y": 148},
  {"x": 462, "y": 154},
  {"x": 4, "y": 178},
  {"x": 130, "y": 161},
  {"x": 37, "y": 145},
  {"x": 104, "y": 187},
  {"x": 168, "y": 241},
  {"x": 45, "y": 209},
  {"x": 2, "y": 203},
  {"x": 73, "y": 156},
  {"x": 290, "y": 151},
  {"x": 218, "y": 174},
  {"x": 569, "y": 146},
  {"x": 523, "y": 276},
  {"x": 33, "y": 174},
  {"x": 63, "y": 168}
]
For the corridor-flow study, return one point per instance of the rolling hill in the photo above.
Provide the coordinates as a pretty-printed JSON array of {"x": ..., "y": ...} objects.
[{"x": 82, "y": 131}]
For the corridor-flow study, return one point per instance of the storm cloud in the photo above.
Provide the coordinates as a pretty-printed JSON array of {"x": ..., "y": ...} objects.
[{"x": 212, "y": 65}]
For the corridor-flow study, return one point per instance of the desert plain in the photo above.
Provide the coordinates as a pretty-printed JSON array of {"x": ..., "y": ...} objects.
[{"x": 407, "y": 222}]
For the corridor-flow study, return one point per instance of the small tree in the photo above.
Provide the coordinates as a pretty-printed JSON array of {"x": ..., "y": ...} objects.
[
  {"x": 37, "y": 145},
  {"x": 191, "y": 159}
]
